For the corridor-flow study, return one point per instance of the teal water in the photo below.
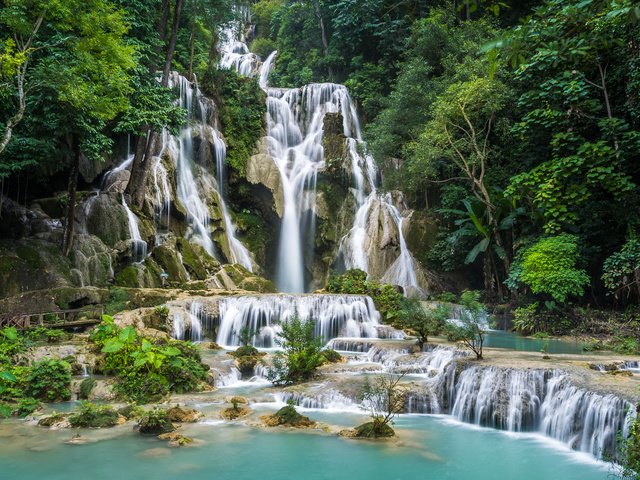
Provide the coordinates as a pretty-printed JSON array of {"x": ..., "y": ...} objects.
[
  {"x": 430, "y": 447},
  {"x": 513, "y": 341}
]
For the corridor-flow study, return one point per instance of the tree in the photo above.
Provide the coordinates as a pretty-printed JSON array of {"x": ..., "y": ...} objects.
[
  {"x": 471, "y": 328},
  {"x": 423, "y": 321},
  {"x": 384, "y": 398},
  {"x": 549, "y": 266},
  {"x": 301, "y": 354},
  {"x": 622, "y": 269}
]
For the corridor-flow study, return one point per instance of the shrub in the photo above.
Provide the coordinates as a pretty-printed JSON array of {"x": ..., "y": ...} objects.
[
  {"x": 331, "y": 356},
  {"x": 470, "y": 331},
  {"x": 386, "y": 298},
  {"x": 262, "y": 47},
  {"x": 49, "y": 335},
  {"x": 549, "y": 266},
  {"x": 94, "y": 416},
  {"x": 49, "y": 381},
  {"x": 155, "y": 422},
  {"x": 384, "y": 398},
  {"x": 524, "y": 319},
  {"x": 423, "y": 322},
  {"x": 301, "y": 356}
]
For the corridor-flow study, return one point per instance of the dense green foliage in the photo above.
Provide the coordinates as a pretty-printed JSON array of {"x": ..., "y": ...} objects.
[
  {"x": 22, "y": 388},
  {"x": 423, "y": 322},
  {"x": 387, "y": 299},
  {"x": 301, "y": 353},
  {"x": 147, "y": 370},
  {"x": 241, "y": 104},
  {"x": 94, "y": 416},
  {"x": 470, "y": 329}
]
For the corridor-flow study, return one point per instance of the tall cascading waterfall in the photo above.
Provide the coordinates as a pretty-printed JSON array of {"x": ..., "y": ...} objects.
[
  {"x": 294, "y": 139},
  {"x": 191, "y": 181},
  {"x": 334, "y": 316},
  {"x": 139, "y": 246}
]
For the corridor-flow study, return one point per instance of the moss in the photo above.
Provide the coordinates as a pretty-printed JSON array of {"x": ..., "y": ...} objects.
[
  {"x": 196, "y": 260},
  {"x": 117, "y": 301},
  {"x": 258, "y": 284},
  {"x": 128, "y": 277},
  {"x": 85, "y": 388},
  {"x": 168, "y": 260},
  {"x": 155, "y": 422},
  {"x": 30, "y": 256},
  {"x": 331, "y": 356},
  {"x": 52, "y": 420},
  {"x": 289, "y": 417},
  {"x": 373, "y": 430},
  {"x": 131, "y": 411}
]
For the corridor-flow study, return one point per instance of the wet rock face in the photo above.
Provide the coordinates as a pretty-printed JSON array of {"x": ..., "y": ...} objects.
[
  {"x": 104, "y": 216},
  {"x": 262, "y": 169}
]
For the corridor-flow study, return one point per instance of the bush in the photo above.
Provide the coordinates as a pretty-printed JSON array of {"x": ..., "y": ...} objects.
[
  {"x": 49, "y": 381},
  {"x": 386, "y": 298},
  {"x": 155, "y": 422},
  {"x": 524, "y": 319},
  {"x": 302, "y": 353},
  {"x": 423, "y": 322},
  {"x": 147, "y": 371},
  {"x": 470, "y": 331},
  {"x": 549, "y": 266},
  {"x": 262, "y": 47},
  {"x": 331, "y": 356},
  {"x": 290, "y": 417},
  {"x": 49, "y": 335},
  {"x": 94, "y": 416}
]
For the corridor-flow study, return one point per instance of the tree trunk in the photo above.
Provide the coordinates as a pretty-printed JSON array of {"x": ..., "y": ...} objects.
[
  {"x": 172, "y": 42},
  {"x": 69, "y": 230},
  {"x": 323, "y": 34},
  {"x": 140, "y": 168},
  {"x": 192, "y": 42},
  {"x": 163, "y": 22}
]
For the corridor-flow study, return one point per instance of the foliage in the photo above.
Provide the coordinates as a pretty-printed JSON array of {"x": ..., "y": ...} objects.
[
  {"x": 49, "y": 381},
  {"x": 94, "y": 416},
  {"x": 331, "y": 356},
  {"x": 524, "y": 319},
  {"x": 241, "y": 105},
  {"x": 48, "y": 335},
  {"x": 622, "y": 269},
  {"x": 470, "y": 330},
  {"x": 301, "y": 353},
  {"x": 386, "y": 298},
  {"x": 383, "y": 398},
  {"x": 289, "y": 416},
  {"x": 549, "y": 266},
  {"x": 155, "y": 422},
  {"x": 86, "y": 386},
  {"x": 145, "y": 370},
  {"x": 423, "y": 321}
]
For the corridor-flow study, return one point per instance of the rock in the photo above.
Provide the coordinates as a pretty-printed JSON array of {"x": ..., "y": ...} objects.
[
  {"x": 209, "y": 346},
  {"x": 57, "y": 420},
  {"x": 176, "y": 439},
  {"x": 262, "y": 169},
  {"x": 369, "y": 430},
  {"x": 117, "y": 181},
  {"x": 105, "y": 217},
  {"x": 233, "y": 413},
  {"x": 155, "y": 422},
  {"x": 183, "y": 415},
  {"x": 103, "y": 391},
  {"x": 287, "y": 417}
]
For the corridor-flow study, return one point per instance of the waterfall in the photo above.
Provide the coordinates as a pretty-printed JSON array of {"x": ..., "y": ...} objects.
[
  {"x": 192, "y": 324},
  {"x": 139, "y": 246},
  {"x": 528, "y": 400},
  {"x": 191, "y": 178},
  {"x": 334, "y": 316}
]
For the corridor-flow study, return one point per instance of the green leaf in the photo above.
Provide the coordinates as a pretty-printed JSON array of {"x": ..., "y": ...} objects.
[
  {"x": 8, "y": 377},
  {"x": 171, "y": 351},
  {"x": 480, "y": 247},
  {"x": 112, "y": 345}
]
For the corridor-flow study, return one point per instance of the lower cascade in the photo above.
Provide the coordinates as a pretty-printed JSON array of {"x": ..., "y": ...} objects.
[
  {"x": 528, "y": 400},
  {"x": 334, "y": 316}
]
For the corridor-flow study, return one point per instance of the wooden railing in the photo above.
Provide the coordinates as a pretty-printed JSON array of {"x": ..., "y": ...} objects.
[{"x": 56, "y": 319}]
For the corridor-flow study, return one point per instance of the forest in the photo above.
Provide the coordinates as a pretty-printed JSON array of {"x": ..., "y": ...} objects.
[{"x": 264, "y": 195}]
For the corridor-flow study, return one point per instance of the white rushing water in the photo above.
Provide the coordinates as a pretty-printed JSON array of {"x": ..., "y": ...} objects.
[
  {"x": 139, "y": 246},
  {"x": 295, "y": 121},
  {"x": 334, "y": 316},
  {"x": 192, "y": 182}
]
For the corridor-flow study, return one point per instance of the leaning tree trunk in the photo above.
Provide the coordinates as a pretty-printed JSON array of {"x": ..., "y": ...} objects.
[
  {"x": 69, "y": 231},
  {"x": 146, "y": 142}
]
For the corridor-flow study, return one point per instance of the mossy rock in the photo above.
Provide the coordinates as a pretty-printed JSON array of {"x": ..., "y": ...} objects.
[
  {"x": 258, "y": 284},
  {"x": 85, "y": 387},
  {"x": 57, "y": 419},
  {"x": 331, "y": 356},
  {"x": 247, "y": 357},
  {"x": 131, "y": 411},
  {"x": 196, "y": 260},
  {"x": 108, "y": 220},
  {"x": 155, "y": 422},
  {"x": 288, "y": 417},
  {"x": 167, "y": 258},
  {"x": 183, "y": 415},
  {"x": 176, "y": 439},
  {"x": 373, "y": 430},
  {"x": 129, "y": 277},
  {"x": 233, "y": 413}
]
